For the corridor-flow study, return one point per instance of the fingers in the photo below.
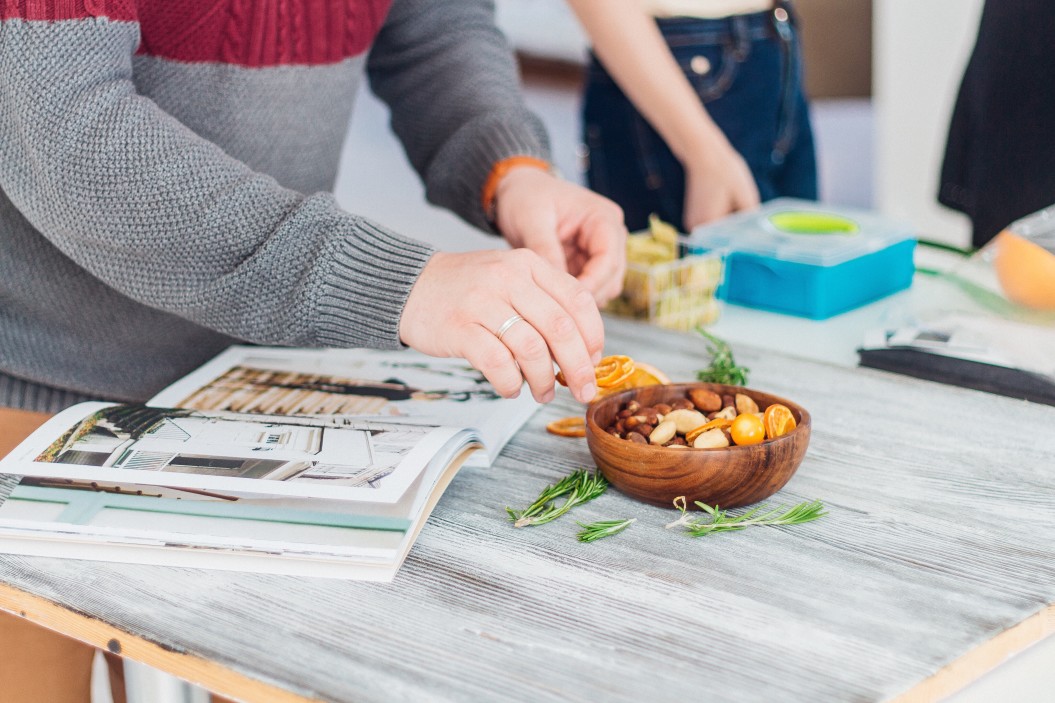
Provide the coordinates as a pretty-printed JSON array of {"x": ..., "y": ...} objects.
[
  {"x": 569, "y": 322},
  {"x": 461, "y": 302},
  {"x": 532, "y": 355},
  {"x": 570, "y": 227},
  {"x": 536, "y": 229},
  {"x": 707, "y": 204},
  {"x": 548, "y": 332},
  {"x": 603, "y": 241},
  {"x": 493, "y": 359},
  {"x": 749, "y": 199},
  {"x": 746, "y": 196},
  {"x": 714, "y": 190},
  {"x": 576, "y": 302}
]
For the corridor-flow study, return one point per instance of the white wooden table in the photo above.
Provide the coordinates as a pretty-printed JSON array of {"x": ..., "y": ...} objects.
[{"x": 937, "y": 560}]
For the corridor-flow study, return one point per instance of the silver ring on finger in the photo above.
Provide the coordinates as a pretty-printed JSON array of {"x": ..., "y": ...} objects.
[{"x": 507, "y": 325}]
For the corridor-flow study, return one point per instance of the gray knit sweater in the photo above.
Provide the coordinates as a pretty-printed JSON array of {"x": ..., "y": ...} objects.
[{"x": 164, "y": 168}]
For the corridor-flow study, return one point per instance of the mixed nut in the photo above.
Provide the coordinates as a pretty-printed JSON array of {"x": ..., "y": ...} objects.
[{"x": 702, "y": 419}]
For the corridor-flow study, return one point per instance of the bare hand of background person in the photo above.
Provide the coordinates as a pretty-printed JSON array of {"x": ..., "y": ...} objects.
[
  {"x": 461, "y": 302},
  {"x": 569, "y": 226},
  {"x": 718, "y": 186}
]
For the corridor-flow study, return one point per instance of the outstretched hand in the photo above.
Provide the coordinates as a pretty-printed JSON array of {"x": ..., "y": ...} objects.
[
  {"x": 569, "y": 226},
  {"x": 461, "y": 302}
]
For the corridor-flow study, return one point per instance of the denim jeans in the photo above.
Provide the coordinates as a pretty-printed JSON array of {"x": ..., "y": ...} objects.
[{"x": 747, "y": 70}]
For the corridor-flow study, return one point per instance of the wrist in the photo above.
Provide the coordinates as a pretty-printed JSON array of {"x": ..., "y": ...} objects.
[
  {"x": 705, "y": 150},
  {"x": 498, "y": 174}
]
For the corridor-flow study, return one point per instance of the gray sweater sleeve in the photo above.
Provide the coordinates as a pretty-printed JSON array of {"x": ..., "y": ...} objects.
[
  {"x": 451, "y": 81},
  {"x": 167, "y": 218}
]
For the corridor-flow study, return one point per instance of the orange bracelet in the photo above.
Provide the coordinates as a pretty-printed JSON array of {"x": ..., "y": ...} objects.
[{"x": 498, "y": 171}]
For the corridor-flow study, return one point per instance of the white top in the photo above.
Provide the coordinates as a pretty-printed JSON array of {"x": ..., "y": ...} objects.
[{"x": 705, "y": 8}]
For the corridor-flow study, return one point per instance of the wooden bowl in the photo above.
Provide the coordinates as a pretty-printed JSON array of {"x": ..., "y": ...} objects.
[{"x": 727, "y": 477}]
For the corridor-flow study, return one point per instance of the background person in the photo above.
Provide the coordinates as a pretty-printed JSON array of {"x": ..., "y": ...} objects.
[
  {"x": 694, "y": 109},
  {"x": 1000, "y": 155}
]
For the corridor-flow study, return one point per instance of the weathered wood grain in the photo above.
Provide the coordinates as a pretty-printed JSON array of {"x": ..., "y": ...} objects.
[{"x": 941, "y": 535}]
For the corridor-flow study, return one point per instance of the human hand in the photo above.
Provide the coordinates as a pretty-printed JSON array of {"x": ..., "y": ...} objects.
[
  {"x": 461, "y": 301},
  {"x": 572, "y": 228},
  {"x": 716, "y": 186}
]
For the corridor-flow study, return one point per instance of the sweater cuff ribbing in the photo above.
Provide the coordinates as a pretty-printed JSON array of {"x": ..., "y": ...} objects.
[
  {"x": 457, "y": 175},
  {"x": 369, "y": 273}
]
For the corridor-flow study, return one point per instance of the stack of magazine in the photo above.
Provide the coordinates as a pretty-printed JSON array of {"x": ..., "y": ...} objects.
[{"x": 292, "y": 461}]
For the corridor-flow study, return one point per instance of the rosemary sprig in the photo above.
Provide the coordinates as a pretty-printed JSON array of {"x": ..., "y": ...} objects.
[
  {"x": 580, "y": 486},
  {"x": 721, "y": 521},
  {"x": 723, "y": 368},
  {"x": 593, "y": 531}
]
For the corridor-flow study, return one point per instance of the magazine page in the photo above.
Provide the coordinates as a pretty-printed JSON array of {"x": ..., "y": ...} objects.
[
  {"x": 156, "y": 525},
  {"x": 400, "y": 386},
  {"x": 329, "y": 457}
]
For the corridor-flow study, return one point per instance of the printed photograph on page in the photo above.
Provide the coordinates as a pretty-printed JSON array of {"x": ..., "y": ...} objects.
[
  {"x": 319, "y": 457},
  {"x": 275, "y": 381}
]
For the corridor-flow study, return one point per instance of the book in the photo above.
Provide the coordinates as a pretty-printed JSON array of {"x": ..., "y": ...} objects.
[{"x": 292, "y": 461}]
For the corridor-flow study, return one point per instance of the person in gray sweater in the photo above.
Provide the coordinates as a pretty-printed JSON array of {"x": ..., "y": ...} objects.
[{"x": 164, "y": 178}]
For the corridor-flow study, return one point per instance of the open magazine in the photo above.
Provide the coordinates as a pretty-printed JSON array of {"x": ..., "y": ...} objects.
[{"x": 311, "y": 462}]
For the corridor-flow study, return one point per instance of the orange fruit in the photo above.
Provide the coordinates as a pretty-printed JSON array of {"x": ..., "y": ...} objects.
[
  {"x": 778, "y": 420},
  {"x": 1026, "y": 271},
  {"x": 747, "y": 429}
]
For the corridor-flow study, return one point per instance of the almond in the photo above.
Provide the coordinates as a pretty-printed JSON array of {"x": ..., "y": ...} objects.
[
  {"x": 663, "y": 433},
  {"x": 705, "y": 401},
  {"x": 711, "y": 439},
  {"x": 745, "y": 403}
]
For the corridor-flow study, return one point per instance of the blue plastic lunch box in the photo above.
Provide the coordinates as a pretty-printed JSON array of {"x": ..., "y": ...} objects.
[{"x": 802, "y": 258}]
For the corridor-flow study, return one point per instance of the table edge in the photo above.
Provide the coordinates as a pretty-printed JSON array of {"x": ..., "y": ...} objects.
[
  {"x": 206, "y": 673},
  {"x": 973, "y": 664},
  {"x": 221, "y": 680}
]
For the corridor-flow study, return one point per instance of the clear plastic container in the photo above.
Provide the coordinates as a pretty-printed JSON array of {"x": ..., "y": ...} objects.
[{"x": 678, "y": 294}]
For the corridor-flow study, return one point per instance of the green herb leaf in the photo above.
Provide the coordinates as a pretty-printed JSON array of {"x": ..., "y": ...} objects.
[
  {"x": 721, "y": 521},
  {"x": 580, "y": 486},
  {"x": 723, "y": 368},
  {"x": 593, "y": 531}
]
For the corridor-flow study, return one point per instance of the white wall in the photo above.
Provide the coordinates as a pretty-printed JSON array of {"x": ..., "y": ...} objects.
[
  {"x": 546, "y": 28},
  {"x": 920, "y": 50}
]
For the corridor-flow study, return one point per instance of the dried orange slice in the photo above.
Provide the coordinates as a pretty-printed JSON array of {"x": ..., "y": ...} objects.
[
  {"x": 568, "y": 427},
  {"x": 778, "y": 420},
  {"x": 720, "y": 423},
  {"x": 611, "y": 371},
  {"x": 643, "y": 375}
]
